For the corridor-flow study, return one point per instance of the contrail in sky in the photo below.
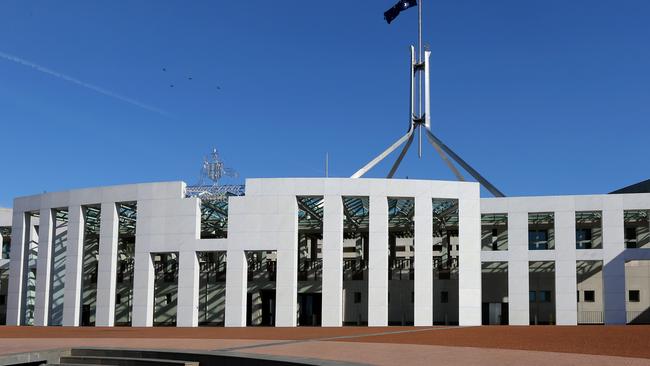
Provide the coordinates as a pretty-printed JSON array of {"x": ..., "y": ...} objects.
[{"x": 95, "y": 88}]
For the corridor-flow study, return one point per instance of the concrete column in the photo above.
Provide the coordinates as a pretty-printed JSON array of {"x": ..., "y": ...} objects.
[
  {"x": 566, "y": 305},
  {"x": 107, "y": 266},
  {"x": 43, "y": 269},
  {"x": 469, "y": 261},
  {"x": 423, "y": 280},
  {"x": 19, "y": 237},
  {"x": 236, "y": 288},
  {"x": 73, "y": 267},
  {"x": 518, "y": 268},
  {"x": 188, "y": 290},
  {"x": 143, "y": 289},
  {"x": 286, "y": 286},
  {"x": 614, "y": 266},
  {"x": 378, "y": 262},
  {"x": 332, "y": 261}
]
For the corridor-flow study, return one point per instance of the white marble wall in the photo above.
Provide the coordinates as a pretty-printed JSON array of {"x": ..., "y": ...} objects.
[{"x": 613, "y": 254}]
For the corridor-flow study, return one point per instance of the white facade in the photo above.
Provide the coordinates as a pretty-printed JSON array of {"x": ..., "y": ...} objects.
[{"x": 266, "y": 219}]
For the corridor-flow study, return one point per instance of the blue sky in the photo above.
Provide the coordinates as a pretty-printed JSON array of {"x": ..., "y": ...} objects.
[{"x": 542, "y": 97}]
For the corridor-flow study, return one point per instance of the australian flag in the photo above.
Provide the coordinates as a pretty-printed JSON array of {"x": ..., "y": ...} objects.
[{"x": 401, "y": 5}]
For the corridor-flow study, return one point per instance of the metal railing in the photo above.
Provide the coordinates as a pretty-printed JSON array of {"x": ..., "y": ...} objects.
[
  {"x": 353, "y": 269},
  {"x": 638, "y": 317},
  {"x": 310, "y": 269},
  {"x": 590, "y": 317},
  {"x": 213, "y": 271}
]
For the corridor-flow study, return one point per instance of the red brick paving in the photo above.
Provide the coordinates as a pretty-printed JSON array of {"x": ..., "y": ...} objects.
[{"x": 626, "y": 341}]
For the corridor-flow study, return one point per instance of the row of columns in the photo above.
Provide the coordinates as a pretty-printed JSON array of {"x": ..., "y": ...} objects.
[
  {"x": 106, "y": 277},
  {"x": 378, "y": 252},
  {"x": 236, "y": 277},
  {"x": 565, "y": 257}
]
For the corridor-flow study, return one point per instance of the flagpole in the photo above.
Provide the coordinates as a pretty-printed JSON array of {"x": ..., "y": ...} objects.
[{"x": 420, "y": 75}]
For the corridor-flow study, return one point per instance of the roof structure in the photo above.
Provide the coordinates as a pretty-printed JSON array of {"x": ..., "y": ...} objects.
[{"x": 641, "y": 187}]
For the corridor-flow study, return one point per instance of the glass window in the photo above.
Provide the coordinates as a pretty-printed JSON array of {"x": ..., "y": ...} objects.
[
  {"x": 630, "y": 237},
  {"x": 357, "y": 297},
  {"x": 590, "y": 296},
  {"x": 444, "y": 297},
  {"x": 634, "y": 295},
  {"x": 545, "y": 296},
  {"x": 531, "y": 296},
  {"x": 583, "y": 238},
  {"x": 537, "y": 239}
]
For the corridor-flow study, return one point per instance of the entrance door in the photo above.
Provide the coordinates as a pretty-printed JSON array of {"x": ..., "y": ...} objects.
[
  {"x": 85, "y": 315},
  {"x": 268, "y": 308},
  {"x": 495, "y": 313},
  {"x": 310, "y": 309}
]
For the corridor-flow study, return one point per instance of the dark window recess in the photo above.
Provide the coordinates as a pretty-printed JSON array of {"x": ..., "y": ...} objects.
[
  {"x": 630, "y": 233},
  {"x": 578, "y": 296},
  {"x": 590, "y": 296},
  {"x": 444, "y": 274},
  {"x": 634, "y": 295},
  {"x": 3, "y": 300},
  {"x": 444, "y": 297},
  {"x": 630, "y": 237},
  {"x": 357, "y": 297},
  {"x": 495, "y": 232},
  {"x": 437, "y": 247},
  {"x": 168, "y": 299},
  {"x": 537, "y": 239},
  {"x": 118, "y": 299},
  {"x": 389, "y": 297},
  {"x": 531, "y": 296},
  {"x": 412, "y": 297},
  {"x": 545, "y": 296},
  {"x": 583, "y": 238}
]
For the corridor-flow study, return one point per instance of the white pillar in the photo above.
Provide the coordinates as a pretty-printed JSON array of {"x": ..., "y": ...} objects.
[
  {"x": 614, "y": 266},
  {"x": 107, "y": 266},
  {"x": 188, "y": 290},
  {"x": 332, "y": 308},
  {"x": 20, "y": 227},
  {"x": 73, "y": 267},
  {"x": 566, "y": 305},
  {"x": 518, "y": 268},
  {"x": 236, "y": 288},
  {"x": 378, "y": 262},
  {"x": 469, "y": 261},
  {"x": 143, "y": 289},
  {"x": 43, "y": 271},
  {"x": 423, "y": 280},
  {"x": 286, "y": 284}
]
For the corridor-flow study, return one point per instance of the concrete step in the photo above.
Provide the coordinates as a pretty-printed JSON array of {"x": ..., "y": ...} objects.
[{"x": 124, "y": 361}]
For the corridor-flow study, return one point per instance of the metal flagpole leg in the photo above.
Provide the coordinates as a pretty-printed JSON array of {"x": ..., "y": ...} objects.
[
  {"x": 400, "y": 157},
  {"x": 383, "y": 155},
  {"x": 445, "y": 158},
  {"x": 467, "y": 167}
]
